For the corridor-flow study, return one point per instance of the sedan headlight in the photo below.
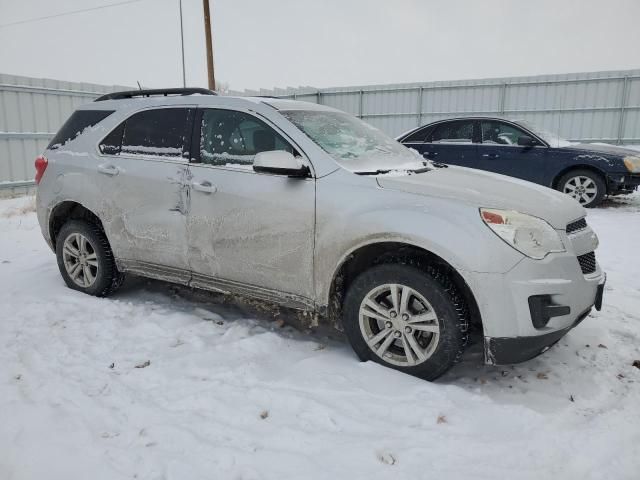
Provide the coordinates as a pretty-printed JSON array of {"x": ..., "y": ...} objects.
[
  {"x": 529, "y": 235},
  {"x": 632, "y": 163}
]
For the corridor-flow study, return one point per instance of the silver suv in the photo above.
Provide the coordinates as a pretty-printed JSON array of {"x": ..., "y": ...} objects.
[{"x": 309, "y": 207}]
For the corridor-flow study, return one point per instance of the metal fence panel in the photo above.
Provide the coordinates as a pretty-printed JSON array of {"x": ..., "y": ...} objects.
[
  {"x": 596, "y": 106},
  {"x": 31, "y": 111}
]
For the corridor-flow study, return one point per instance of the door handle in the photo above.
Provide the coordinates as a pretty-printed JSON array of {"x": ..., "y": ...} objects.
[
  {"x": 491, "y": 155},
  {"x": 108, "y": 169},
  {"x": 430, "y": 154},
  {"x": 205, "y": 187}
]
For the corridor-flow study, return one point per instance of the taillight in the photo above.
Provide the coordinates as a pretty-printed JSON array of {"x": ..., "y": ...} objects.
[{"x": 41, "y": 166}]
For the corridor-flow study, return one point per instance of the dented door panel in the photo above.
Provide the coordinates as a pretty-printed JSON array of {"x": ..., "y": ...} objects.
[
  {"x": 143, "y": 208},
  {"x": 255, "y": 229}
]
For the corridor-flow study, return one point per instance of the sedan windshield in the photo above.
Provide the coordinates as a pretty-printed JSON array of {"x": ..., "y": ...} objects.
[{"x": 354, "y": 144}]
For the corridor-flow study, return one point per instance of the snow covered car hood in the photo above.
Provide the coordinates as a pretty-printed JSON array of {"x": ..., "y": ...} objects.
[{"x": 484, "y": 189}]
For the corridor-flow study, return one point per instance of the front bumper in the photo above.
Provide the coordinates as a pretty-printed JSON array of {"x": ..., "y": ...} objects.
[
  {"x": 622, "y": 183},
  {"x": 514, "y": 330},
  {"x": 505, "y": 350}
]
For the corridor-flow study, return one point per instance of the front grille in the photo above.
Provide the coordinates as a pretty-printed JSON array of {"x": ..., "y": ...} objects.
[
  {"x": 587, "y": 262},
  {"x": 577, "y": 225}
]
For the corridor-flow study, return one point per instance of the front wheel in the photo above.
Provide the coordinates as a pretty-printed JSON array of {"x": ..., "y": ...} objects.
[
  {"x": 585, "y": 186},
  {"x": 407, "y": 318}
]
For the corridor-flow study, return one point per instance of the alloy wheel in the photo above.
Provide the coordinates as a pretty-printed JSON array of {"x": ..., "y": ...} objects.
[
  {"x": 399, "y": 325},
  {"x": 80, "y": 260},
  {"x": 582, "y": 188}
]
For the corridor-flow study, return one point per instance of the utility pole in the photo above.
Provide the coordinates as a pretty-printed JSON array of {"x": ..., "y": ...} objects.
[
  {"x": 184, "y": 78},
  {"x": 207, "y": 32}
]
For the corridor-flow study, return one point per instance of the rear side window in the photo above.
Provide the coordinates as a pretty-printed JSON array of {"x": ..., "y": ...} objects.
[
  {"x": 76, "y": 124},
  {"x": 417, "y": 136},
  {"x": 453, "y": 132},
  {"x": 162, "y": 132}
]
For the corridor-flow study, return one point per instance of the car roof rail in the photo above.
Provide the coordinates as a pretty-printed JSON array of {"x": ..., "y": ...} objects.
[{"x": 154, "y": 92}]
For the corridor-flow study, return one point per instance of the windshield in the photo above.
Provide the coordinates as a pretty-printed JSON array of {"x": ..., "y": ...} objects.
[
  {"x": 553, "y": 139},
  {"x": 354, "y": 144}
]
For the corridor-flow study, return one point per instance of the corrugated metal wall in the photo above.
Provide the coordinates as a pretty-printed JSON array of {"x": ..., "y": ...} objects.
[
  {"x": 31, "y": 111},
  {"x": 590, "y": 107}
]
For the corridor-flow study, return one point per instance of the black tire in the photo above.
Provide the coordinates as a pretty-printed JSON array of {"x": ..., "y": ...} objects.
[
  {"x": 107, "y": 276},
  {"x": 596, "y": 178},
  {"x": 442, "y": 295}
]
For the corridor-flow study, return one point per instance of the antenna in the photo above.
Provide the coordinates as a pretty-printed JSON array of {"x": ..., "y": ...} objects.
[{"x": 139, "y": 86}]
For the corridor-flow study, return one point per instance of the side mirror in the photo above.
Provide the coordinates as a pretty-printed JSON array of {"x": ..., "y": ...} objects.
[
  {"x": 279, "y": 162},
  {"x": 526, "y": 141}
]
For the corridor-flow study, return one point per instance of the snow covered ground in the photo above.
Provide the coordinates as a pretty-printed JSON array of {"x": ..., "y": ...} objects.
[{"x": 224, "y": 394}]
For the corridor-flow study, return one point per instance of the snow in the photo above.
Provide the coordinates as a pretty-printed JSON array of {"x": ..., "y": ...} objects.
[{"x": 229, "y": 394}]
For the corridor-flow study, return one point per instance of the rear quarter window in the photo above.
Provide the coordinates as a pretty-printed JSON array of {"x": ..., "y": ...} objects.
[{"x": 77, "y": 123}]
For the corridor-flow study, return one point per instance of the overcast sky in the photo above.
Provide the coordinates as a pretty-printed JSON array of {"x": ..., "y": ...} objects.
[{"x": 262, "y": 43}]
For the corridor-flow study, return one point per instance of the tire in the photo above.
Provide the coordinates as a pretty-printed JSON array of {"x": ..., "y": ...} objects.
[
  {"x": 585, "y": 186},
  {"x": 85, "y": 259},
  {"x": 434, "y": 328}
]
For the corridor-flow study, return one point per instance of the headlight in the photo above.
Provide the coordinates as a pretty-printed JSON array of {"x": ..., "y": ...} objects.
[
  {"x": 632, "y": 163},
  {"x": 529, "y": 235}
]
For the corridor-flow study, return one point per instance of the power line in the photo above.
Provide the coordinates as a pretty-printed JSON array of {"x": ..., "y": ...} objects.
[{"x": 73, "y": 12}]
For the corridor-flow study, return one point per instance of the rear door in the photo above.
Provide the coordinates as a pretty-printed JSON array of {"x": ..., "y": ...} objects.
[
  {"x": 142, "y": 170},
  {"x": 248, "y": 229},
  {"x": 499, "y": 152},
  {"x": 452, "y": 143}
]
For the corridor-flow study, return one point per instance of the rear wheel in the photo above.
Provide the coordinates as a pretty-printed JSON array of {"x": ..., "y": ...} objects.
[
  {"x": 585, "y": 186},
  {"x": 406, "y": 318},
  {"x": 85, "y": 259}
]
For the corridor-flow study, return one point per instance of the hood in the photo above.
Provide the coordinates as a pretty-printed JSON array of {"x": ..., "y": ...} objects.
[
  {"x": 602, "y": 148},
  {"x": 484, "y": 189}
]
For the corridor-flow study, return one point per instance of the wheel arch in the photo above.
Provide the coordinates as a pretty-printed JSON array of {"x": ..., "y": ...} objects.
[
  {"x": 368, "y": 255},
  {"x": 69, "y": 210}
]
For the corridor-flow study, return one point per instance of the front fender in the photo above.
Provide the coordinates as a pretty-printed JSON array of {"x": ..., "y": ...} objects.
[{"x": 351, "y": 217}]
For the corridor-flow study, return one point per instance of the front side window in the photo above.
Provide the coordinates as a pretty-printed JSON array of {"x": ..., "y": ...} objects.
[
  {"x": 233, "y": 139},
  {"x": 453, "y": 132},
  {"x": 499, "y": 133},
  {"x": 162, "y": 132}
]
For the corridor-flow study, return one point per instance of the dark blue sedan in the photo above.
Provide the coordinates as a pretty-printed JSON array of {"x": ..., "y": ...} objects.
[{"x": 587, "y": 172}]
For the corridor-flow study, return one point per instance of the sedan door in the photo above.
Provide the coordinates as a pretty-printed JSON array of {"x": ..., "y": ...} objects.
[
  {"x": 452, "y": 143},
  {"x": 499, "y": 152},
  {"x": 248, "y": 231},
  {"x": 142, "y": 170}
]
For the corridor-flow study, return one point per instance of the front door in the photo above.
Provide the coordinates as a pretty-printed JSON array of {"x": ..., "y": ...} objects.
[
  {"x": 143, "y": 168},
  {"x": 499, "y": 152},
  {"x": 245, "y": 229}
]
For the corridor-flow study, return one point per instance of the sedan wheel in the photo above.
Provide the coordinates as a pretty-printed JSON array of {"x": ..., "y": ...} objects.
[
  {"x": 582, "y": 188},
  {"x": 399, "y": 325}
]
